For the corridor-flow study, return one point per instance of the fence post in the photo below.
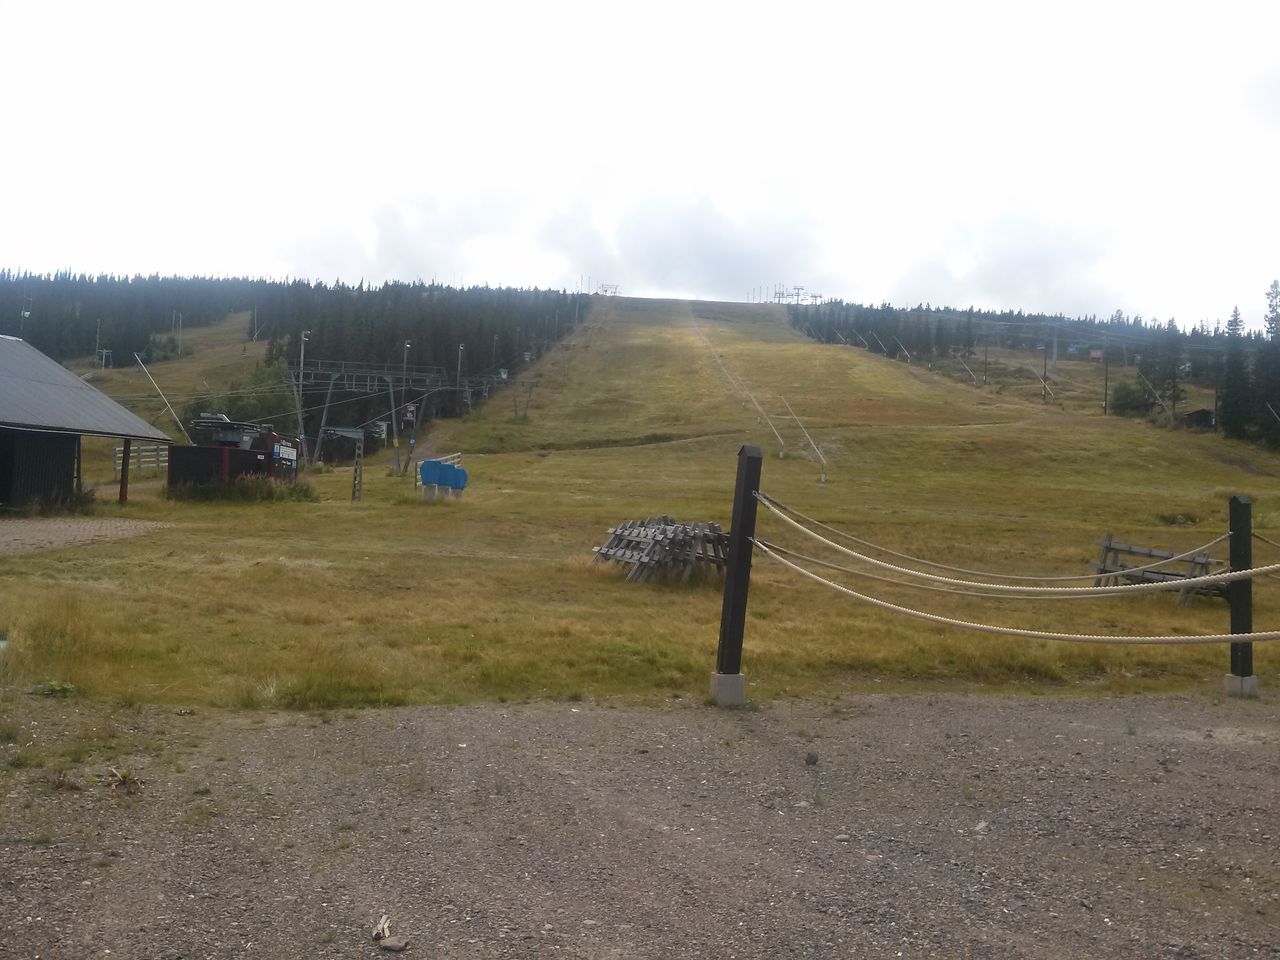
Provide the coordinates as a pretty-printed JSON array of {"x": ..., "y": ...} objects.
[
  {"x": 1241, "y": 682},
  {"x": 728, "y": 685},
  {"x": 124, "y": 472}
]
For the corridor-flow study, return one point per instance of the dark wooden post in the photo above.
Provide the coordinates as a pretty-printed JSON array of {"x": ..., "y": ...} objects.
[
  {"x": 1241, "y": 682},
  {"x": 728, "y": 687},
  {"x": 124, "y": 470}
]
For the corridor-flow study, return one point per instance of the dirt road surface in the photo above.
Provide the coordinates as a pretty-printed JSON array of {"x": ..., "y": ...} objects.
[
  {"x": 914, "y": 826},
  {"x": 25, "y": 534}
]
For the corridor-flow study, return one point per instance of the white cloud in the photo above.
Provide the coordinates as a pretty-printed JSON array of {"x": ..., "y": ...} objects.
[{"x": 1088, "y": 156}]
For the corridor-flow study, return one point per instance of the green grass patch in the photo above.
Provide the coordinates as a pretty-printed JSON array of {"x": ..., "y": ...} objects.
[
  {"x": 332, "y": 605},
  {"x": 24, "y": 760}
]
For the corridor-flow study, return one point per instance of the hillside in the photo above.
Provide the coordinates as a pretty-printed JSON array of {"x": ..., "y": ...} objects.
[{"x": 641, "y": 412}]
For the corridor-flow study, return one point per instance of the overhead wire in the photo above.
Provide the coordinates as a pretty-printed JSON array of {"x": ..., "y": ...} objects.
[{"x": 739, "y": 385}]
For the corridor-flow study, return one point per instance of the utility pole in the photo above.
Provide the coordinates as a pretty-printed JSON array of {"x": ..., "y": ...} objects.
[
  {"x": 461, "y": 347},
  {"x": 404, "y": 366},
  {"x": 97, "y": 340},
  {"x": 986, "y": 346},
  {"x": 302, "y": 360},
  {"x": 1044, "y": 380},
  {"x": 1106, "y": 376},
  {"x": 493, "y": 362}
]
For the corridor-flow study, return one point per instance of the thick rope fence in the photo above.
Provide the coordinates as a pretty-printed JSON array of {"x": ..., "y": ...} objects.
[
  {"x": 1029, "y": 592},
  {"x": 728, "y": 685},
  {"x": 952, "y": 591},
  {"x": 983, "y": 573},
  {"x": 1014, "y": 631}
]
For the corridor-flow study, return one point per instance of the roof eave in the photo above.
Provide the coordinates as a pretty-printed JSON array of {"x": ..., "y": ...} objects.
[{"x": 29, "y": 428}]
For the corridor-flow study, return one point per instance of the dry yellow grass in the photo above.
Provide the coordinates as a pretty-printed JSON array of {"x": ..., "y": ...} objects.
[{"x": 392, "y": 600}]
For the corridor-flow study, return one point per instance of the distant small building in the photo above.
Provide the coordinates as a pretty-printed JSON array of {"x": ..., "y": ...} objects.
[
  {"x": 229, "y": 449},
  {"x": 1201, "y": 419},
  {"x": 44, "y": 411}
]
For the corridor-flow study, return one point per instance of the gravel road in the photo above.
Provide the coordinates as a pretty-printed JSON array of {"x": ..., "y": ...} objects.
[{"x": 868, "y": 826}]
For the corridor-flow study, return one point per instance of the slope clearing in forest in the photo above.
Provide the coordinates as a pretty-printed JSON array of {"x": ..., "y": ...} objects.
[{"x": 641, "y": 412}]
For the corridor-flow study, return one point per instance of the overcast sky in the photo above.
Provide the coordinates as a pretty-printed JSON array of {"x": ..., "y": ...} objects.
[{"x": 1077, "y": 157}]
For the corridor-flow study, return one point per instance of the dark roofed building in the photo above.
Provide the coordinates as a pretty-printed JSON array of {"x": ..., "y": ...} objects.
[
  {"x": 1199, "y": 420},
  {"x": 44, "y": 411}
]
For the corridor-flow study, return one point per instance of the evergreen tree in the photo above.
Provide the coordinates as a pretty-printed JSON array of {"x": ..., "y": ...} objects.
[
  {"x": 1236, "y": 393},
  {"x": 1162, "y": 366},
  {"x": 1272, "y": 319},
  {"x": 1266, "y": 374}
]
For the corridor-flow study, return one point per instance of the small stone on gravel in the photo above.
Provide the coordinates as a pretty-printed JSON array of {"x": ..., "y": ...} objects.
[{"x": 394, "y": 944}]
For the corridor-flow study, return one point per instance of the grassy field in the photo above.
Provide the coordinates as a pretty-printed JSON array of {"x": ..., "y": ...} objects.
[{"x": 641, "y": 412}]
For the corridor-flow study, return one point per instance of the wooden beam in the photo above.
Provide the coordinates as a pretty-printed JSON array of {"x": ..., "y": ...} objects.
[{"x": 124, "y": 471}]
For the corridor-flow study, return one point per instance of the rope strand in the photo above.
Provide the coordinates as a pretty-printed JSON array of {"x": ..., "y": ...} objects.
[
  {"x": 1258, "y": 536},
  {"x": 981, "y": 573},
  {"x": 1018, "y": 631},
  {"x": 907, "y": 583},
  {"x": 1179, "y": 584}
]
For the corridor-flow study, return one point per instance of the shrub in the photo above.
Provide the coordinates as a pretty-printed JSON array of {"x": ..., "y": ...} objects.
[
  {"x": 76, "y": 502},
  {"x": 245, "y": 489},
  {"x": 1130, "y": 400}
]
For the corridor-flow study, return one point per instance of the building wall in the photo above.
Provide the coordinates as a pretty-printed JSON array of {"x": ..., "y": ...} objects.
[
  {"x": 215, "y": 464},
  {"x": 36, "y": 466}
]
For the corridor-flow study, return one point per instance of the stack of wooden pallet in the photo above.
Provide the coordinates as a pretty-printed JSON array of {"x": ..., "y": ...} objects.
[{"x": 661, "y": 548}]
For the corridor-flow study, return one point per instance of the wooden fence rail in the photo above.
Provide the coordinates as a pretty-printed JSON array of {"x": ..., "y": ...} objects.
[{"x": 142, "y": 456}]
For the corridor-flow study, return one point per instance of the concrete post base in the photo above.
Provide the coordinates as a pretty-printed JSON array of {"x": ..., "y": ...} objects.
[
  {"x": 729, "y": 689},
  {"x": 1235, "y": 686}
]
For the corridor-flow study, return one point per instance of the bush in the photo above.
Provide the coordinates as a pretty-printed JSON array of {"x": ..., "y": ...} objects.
[
  {"x": 82, "y": 502},
  {"x": 1130, "y": 400},
  {"x": 246, "y": 489}
]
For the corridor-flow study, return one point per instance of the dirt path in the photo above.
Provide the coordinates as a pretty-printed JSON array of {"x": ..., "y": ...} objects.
[
  {"x": 23, "y": 535},
  {"x": 947, "y": 826}
]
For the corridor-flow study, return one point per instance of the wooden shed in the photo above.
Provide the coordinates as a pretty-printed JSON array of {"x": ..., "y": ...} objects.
[
  {"x": 1201, "y": 419},
  {"x": 44, "y": 411}
]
